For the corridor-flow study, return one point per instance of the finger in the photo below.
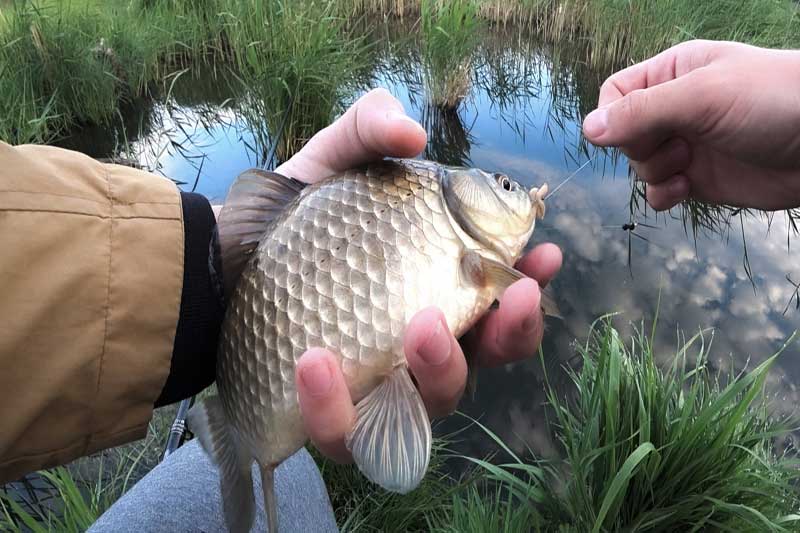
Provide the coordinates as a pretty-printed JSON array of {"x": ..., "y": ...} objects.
[
  {"x": 670, "y": 64},
  {"x": 642, "y": 120},
  {"x": 639, "y": 76},
  {"x": 325, "y": 403},
  {"x": 513, "y": 331},
  {"x": 374, "y": 127},
  {"x": 542, "y": 263},
  {"x": 673, "y": 157},
  {"x": 436, "y": 360},
  {"x": 668, "y": 193}
]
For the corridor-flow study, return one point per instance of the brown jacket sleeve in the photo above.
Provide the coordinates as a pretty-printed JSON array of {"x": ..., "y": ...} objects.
[{"x": 91, "y": 266}]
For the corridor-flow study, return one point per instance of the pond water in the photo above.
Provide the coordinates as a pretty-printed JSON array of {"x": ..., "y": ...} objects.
[{"x": 532, "y": 133}]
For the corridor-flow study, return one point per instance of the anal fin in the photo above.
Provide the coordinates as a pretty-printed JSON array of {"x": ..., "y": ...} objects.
[
  {"x": 391, "y": 440},
  {"x": 207, "y": 420}
]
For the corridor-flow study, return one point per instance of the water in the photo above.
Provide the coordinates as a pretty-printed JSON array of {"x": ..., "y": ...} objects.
[{"x": 533, "y": 135}]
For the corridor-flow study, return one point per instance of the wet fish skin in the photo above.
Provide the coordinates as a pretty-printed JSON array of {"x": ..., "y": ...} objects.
[{"x": 345, "y": 266}]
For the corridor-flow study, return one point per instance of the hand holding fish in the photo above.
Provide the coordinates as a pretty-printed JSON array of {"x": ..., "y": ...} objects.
[
  {"x": 385, "y": 263},
  {"x": 711, "y": 121},
  {"x": 509, "y": 333},
  {"x": 374, "y": 127}
]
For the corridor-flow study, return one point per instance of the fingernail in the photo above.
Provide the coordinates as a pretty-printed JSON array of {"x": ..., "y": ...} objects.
[
  {"x": 395, "y": 115},
  {"x": 317, "y": 378},
  {"x": 595, "y": 123},
  {"x": 436, "y": 349}
]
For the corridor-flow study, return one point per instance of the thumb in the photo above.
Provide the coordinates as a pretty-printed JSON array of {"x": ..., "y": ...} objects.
[{"x": 640, "y": 121}]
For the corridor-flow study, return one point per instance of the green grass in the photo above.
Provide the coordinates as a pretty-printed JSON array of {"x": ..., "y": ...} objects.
[
  {"x": 482, "y": 508},
  {"x": 644, "y": 449},
  {"x": 450, "y": 32},
  {"x": 297, "y": 59},
  {"x": 50, "y": 78},
  {"x": 651, "y": 449},
  {"x": 68, "y": 64},
  {"x": 360, "y": 505},
  {"x": 68, "y": 499}
]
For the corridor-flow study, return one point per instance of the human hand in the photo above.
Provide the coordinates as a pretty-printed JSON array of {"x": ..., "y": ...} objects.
[
  {"x": 374, "y": 127},
  {"x": 712, "y": 121}
]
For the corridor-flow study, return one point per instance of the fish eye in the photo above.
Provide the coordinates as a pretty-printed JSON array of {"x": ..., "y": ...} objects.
[{"x": 504, "y": 182}]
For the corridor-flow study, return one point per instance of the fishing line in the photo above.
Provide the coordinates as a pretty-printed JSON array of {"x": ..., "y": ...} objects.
[{"x": 551, "y": 193}]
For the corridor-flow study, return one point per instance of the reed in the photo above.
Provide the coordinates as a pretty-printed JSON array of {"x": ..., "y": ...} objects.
[
  {"x": 53, "y": 72},
  {"x": 68, "y": 65},
  {"x": 296, "y": 59},
  {"x": 450, "y": 33},
  {"x": 620, "y": 32}
]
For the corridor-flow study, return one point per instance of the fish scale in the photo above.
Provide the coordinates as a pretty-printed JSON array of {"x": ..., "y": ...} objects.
[{"x": 365, "y": 286}]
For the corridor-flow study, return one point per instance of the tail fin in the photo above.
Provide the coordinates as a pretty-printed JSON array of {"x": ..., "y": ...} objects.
[{"x": 208, "y": 422}]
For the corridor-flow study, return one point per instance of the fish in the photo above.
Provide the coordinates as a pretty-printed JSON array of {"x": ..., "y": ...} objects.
[{"x": 344, "y": 264}]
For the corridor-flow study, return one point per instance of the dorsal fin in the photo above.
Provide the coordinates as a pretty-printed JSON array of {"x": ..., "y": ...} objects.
[{"x": 255, "y": 199}]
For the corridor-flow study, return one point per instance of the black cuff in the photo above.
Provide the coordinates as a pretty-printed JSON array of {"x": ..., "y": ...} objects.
[{"x": 194, "y": 353}]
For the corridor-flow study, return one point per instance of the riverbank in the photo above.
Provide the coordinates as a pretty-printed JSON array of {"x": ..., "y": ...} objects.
[{"x": 65, "y": 65}]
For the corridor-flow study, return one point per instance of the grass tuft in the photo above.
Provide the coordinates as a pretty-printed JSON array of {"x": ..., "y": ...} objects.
[
  {"x": 360, "y": 505},
  {"x": 302, "y": 67},
  {"x": 450, "y": 33},
  {"x": 647, "y": 449}
]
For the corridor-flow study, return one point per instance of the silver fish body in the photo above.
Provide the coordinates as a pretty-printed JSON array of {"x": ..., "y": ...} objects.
[{"x": 344, "y": 266}]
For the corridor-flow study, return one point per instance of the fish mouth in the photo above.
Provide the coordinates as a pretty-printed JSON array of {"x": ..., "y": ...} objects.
[{"x": 537, "y": 198}]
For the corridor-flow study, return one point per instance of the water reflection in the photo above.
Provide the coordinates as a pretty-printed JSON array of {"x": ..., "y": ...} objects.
[
  {"x": 449, "y": 141},
  {"x": 702, "y": 287},
  {"x": 523, "y": 118}
]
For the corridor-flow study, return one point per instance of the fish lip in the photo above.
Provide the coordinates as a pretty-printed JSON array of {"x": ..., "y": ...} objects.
[{"x": 537, "y": 196}]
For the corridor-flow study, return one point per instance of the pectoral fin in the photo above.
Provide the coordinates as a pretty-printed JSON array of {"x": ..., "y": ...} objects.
[
  {"x": 391, "y": 440},
  {"x": 548, "y": 304},
  {"x": 490, "y": 273}
]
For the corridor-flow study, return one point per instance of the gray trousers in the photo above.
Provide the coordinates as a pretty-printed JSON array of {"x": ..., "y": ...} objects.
[{"x": 182, "y": 494}]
